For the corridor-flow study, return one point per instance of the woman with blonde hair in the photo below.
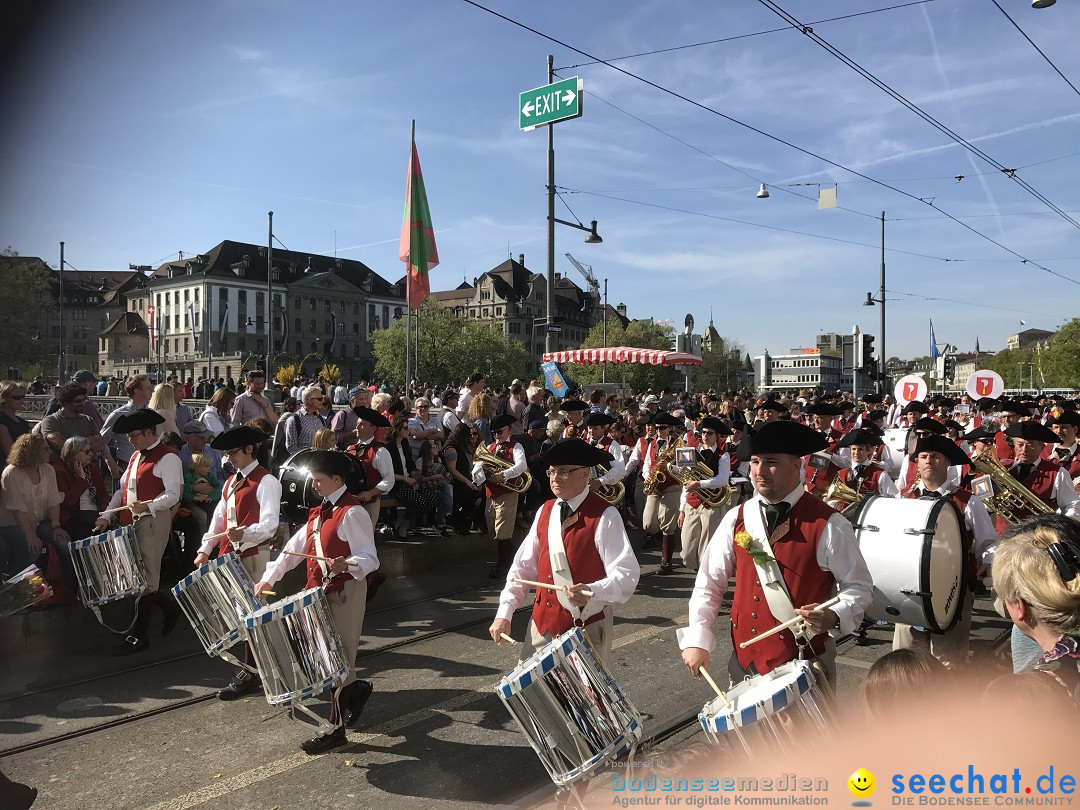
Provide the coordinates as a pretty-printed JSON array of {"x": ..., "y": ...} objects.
[
  {"x": 216, "y": 414},
  {"x": 163, "y": 400},
  {"x": 30, "y": 509},
  {"x": 481, "y": 410},
  {"x": 1037, "y": 577},
  {"x": 325, "y": 439}
]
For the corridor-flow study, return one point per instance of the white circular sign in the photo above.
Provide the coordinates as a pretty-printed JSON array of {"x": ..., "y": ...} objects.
[
  {"x": 985, "y": 383},
  {"x": 909, "y": 389}
]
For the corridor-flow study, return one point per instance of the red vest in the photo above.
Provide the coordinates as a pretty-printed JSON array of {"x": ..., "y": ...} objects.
[
  {"x": 604, "y": 442},
  {"x": 819, "y": 478},
  {"x": 690, "y": 439},
  {"x": 711, "y": 459},
  {"x": 1041, "y": 484},
  {"x": 367, "y": 458},
  {"x": 796, "y": 554},
  {"x": 669, "y": 481},
  {"x": 868, "y": 484},
  {"x": 332, "y": 545},
  {"x": 247, "y": 507},
  {"x": 585, "y": 562},
  {"x": 507, "y": 454},
  {"x": 147, "y": 485}
]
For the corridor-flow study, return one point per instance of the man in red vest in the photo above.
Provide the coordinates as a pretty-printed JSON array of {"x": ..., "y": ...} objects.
[
  {"x": 781, "y": 529},
  {"x": 697, "y": 519},
  {"x": 577, "y": 543},
  {"x": 340, "y": 533},
  {"x": 151, "y": 488},
  {"x": 864, "y": 476},
  {"x": 1065, "y": 452},
  {"x": 378, "y": 466},
  {"x": 821, "y": 467},
  {"x": 661, "y": 515},
  {"x": 935, "y": 458},
  {"x": 575, "y": 413},
  {"x": 249, "y": 510},
  {"x": 1046, "y": 480},
  {"x": 502, "y": 502},
  {"x": 598, "y": 424}
]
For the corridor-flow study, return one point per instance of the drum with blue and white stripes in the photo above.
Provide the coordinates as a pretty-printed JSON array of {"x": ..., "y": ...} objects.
[
  {"x": 108, "y": 566},
  {"x": 217, "y": 598},
  {"x": 296, "y": 648}
]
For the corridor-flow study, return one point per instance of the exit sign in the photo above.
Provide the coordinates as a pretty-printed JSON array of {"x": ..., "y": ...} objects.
[{"x": 550, "y": 103}]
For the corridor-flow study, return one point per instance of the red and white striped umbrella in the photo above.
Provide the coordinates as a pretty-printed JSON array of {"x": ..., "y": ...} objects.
[{"x": 624, "y": 354}]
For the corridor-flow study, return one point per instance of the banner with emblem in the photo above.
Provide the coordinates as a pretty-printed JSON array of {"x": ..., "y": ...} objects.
[
  {"x": 985, "y": 383},
  {"x": 555, "y": 381},
  {"x": 910, "y": 388}
]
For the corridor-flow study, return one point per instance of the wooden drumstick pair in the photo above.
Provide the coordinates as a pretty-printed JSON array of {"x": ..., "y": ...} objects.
[
  {"x": 553, "y": 586},
  {"x": 222, "y": 534},
  {"x": 789, "y": 623},
  {"x": 309, "y": 556},
  {"x": 120, "y": 508}
]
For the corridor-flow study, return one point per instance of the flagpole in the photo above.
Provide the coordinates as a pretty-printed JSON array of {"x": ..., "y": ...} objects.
[
  {"x": 408, "y": 266},
  {"x": 269, "y": 295}
]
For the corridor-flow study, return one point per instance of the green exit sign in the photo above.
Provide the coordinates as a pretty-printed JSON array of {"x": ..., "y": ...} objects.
[{"x": 550, "y": 103}]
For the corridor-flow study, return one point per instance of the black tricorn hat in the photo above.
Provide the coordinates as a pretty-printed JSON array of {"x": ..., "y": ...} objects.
[
  {"x": 915, "y": 406},
  {"x": 939, "y": 444},
  {"x": 932, "y": 425},
  {"x": 1032, "y": 431},
  {"x": 499, "y": 422},
  {"x": 596, "y": 418},
  {"x": 371, "y": 416},
  {"x": 787, "y": 437},
  {"x": 236, "y": 437},
  {"x": 980, "y": 434},
  {"x": 142, "y": 419},
  {"x": 575, "y": 451},
  {"x": 862, "y": 436},
  {"x": 668, "y": 419},
  {"x": 822, "y": 409},
  {"x": 573, "y": 405},
  {"x": 715, "y": 423}
]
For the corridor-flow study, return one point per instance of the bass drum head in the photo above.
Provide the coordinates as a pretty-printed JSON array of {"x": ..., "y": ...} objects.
[
  {"x": 297, "y": 493},
  {"x": 897, "y": 440},
  {"x": 943, "y": 567}
]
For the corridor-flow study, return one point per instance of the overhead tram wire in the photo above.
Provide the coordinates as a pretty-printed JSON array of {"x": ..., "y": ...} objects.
[
  {"x": 966, "y": 303},
  {"x": 739, "y": 36},
  {"x": 763, "y": 133},
  {"x": 1036, "y": 47},
  {"x": 915, "y": 108}
]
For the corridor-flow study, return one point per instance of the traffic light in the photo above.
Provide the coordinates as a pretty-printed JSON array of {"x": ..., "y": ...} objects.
[
  {"x": 867, "y": 351},
  {"x": 950, "y": 366}
]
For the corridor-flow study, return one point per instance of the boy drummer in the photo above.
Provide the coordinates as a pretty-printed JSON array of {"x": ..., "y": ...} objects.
[{"x": 340, "y": 534}]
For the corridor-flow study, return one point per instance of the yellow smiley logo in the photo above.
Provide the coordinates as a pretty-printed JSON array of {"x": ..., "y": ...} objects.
[{"x": 862, "y": 784}]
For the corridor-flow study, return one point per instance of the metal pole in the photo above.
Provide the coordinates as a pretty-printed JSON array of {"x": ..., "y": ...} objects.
[
  {"x": 408, "y": 271},
  {"x": 604, "y": 373},
  {"x": 61, "y": 366},
  {"x": 881, "y": 337},
  {"x": 269, "y": 294},
  {"x": 855, "y": 357},
  {"x": 549, "y": 309}
]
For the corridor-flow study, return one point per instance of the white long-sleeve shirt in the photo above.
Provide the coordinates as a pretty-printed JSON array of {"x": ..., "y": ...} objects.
[
  {"x": 617, "y": 471},
  {"x": 354, "y": 528},
  {"x": 837, "y": 553},
  {"x": 268, "y": 493},
  {"x": 384, "y": 464},
  {"x": 637, "y": 455},
  {"x": 168, "y": 469},
  {"x": 723, "y": 473},
  {"x": 620, "y": 563}
]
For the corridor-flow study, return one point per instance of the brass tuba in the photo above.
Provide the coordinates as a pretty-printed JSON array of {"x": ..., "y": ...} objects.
[
  {"x": 700, "y": 472},
  {"x": 1011, "y": 498},
  {"x": 493, "y": 464},
  {"x": 839, "y": 491},
  {"x": 611, "y": 493}
]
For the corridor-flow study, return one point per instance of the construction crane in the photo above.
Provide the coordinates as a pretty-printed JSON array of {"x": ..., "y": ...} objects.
[{"x": 586, "y": 270}]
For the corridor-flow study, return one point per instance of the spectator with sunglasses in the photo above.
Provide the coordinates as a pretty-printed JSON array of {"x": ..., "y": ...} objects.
[
  {"x": 12, "y": 426},
  {"x": 1037, "y": 577},
  {"x": 306, "y": 422},
  {"x": 69, "y": 421}
]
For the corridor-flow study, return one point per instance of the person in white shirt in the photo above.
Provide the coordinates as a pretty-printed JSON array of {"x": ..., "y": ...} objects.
[
  {"x": 476, "y": 383},
  {"x": 423, "y": 427},
  {"x": 339, "y": 532},
  {"x": 779, "y": 526},
  {"x": 378, "y": 466},
  {"x": 597, "y": 426},
  {"x": 864, "y": 476},
  {"x": 502, "y": 502},
  {"x": 150, "y": 488},
  {"x": 697, "y": 519},
  {"x": 578, "y": 544}
]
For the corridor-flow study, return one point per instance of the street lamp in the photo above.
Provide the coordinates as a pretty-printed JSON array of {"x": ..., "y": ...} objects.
[{"x": 869, "y": 302}]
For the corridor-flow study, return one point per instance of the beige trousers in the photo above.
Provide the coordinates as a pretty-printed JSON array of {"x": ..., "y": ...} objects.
[
  {"x": 662, "y": 512},
  {"x": 502, "y": 515},
  {"x": 255, "y": 564},
  {"x": 699, "y": 523},
  {"x": 373, "y": 508},
  {"x": 347, "y": 610},
  {"x": 599, "y": 635},
  {"x": 950, "y": 648},
  {"x": 152, "y": 538}
]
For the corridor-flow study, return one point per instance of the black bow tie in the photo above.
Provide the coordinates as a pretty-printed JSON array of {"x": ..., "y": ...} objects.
[
  {"x": 1063, "y": 452},
  {"x": 327, "y": 505},
  {"x": 775, "y": 514},
  {"x": 931, "y": 493}
]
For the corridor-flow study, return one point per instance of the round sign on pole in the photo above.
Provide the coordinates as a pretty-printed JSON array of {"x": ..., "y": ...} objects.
[
  {"x": 985, "y": 383},
  {"x": 909, "y": 389}
]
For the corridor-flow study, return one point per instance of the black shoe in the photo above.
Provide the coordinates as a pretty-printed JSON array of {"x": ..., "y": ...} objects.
[
  {"x": 374, "y": 582},
  {"x": 131, "y": 645},
  {"x": 650, "y": 541},
  {"x": 172, "y": 616},
  {"x": 665, "y": 568},
  {"x": 243, "y": 683},
  {"x": 18, "y": 796},
  {"x": 324, "y": 742},
  {"x": 445, "y": 532},
  {"x": 358, "y": 702}
]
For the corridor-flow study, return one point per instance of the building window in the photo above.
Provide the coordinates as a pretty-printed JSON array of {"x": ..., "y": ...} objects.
[
  {"x": 356, "y": 308},
  {"x": 341, "y": 327},
  {"x": 299, "y": 325},
  {"x": 261, "y": 346},
  {"x": 311, "y": 304},
  {"x": 186, "y": 293},
  {"x": 356, "y": 328},
  {"x": 196, "y": 295},
  {"x": 315, "y": 347},
  {"x": 356, "y": 350},
  {"x": 314, "y": 326},
  {"x": 341, "y": 351},
  {"x": 397, "y": 313},
  {"x": 326, "y": 328},
  {"x": 299, "y": 302},
  {"x": 326, "y": 305},
  {"x": 386, "y": 315},
  {"x": 299, "y": 348},
  {"x": 341, "y": 308},
  {"x": 242, "y": 344},
  {"x": 186, "y": 347}
]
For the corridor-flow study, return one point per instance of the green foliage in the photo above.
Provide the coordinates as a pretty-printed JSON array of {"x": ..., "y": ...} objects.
[
  {"x": 1058, "y": 364},
  {"x": 26, "y": 300},
  {"x": 720, "y": 367},
  {"x": 451, "y": 348},
  {"x": 639, "y": 334}
]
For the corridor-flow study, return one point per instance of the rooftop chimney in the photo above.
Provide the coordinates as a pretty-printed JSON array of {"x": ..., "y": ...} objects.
[
  {"x": 521, "y": 259},
  {"x": 621, "y": 309}
]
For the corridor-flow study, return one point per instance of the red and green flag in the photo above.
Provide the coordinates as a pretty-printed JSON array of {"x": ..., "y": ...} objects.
[{"x": 417, "y": 249}]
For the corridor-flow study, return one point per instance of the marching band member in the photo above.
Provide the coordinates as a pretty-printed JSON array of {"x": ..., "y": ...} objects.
[
  {"x": 936, "y": 457},
  {"x": 820, "y": 468},
  {"x": 378, "y": 466},
  {"x": 922, "y": 428},
  {"x": 662, "y": 504},
  {"x": 577, "y": 543},
  {"x": 340, "y": 533},
  {"x": 249, "y": 510},
  {"x": 1047, "y": 481},
  {"x": 1011, "y": 414},
  {"x": 697, "y": 519},
  {"x": 782, "y": 528},
  {"x": 864, "y": 476},
  {"x": 575, "y": 411},
  {"x": 845, "y": 422},
  {"x": 770, "y": 410},
  {"x": 151, "y": 486},
  {"x": 597, "y": 424},
  {"x": 502, "y": 502},
  {"x": 1064, "y": 452}
]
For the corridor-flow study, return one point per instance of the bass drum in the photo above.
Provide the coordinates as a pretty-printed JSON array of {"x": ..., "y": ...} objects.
[
  {"x": 915, "y": 552},
  {"x": 297, "y": 493},
  {"x": 897, "y": 440}
]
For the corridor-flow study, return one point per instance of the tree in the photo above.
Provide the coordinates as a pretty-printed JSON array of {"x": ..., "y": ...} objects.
[
  {"x": 1012, "y": 365},
  {"x": 639, "y": 334},
  {"x": 721, "y": 366},
  {"x": 451, "y": 348},
  {"x": 26, "y": 301},
  {"x": 1060, "y": 360}
]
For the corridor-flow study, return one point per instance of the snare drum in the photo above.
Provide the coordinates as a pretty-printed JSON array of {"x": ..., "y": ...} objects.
[
  {"x": 768, "y": 713},
  {"x": 914, "y": 550},
  {"x": 296, "y": 648},
  {"x": 574, "y": 713},
  {"x": 109, "y": 567},
  {"x": 216, "y": 598},
  {"x": 297, "y": 493}
]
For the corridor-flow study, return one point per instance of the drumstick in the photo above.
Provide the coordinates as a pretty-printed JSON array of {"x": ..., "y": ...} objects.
[
  {"x": 310, "y": 556},
  {"x": 222, "y": 534},
  {"x": 534, "y": 584},
  {"x": 719, "y": 692},
  {"x": 120, "y": 508},
  {"x": 789, "y": 623},
  {"x": 505, "y": 637}
]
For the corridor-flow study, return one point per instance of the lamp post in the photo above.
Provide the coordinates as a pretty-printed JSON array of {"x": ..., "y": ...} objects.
[
  {"x": 61, "y": 367},
  {"x": 869, "y": 302},
  {"x": 603, "y": 377}
]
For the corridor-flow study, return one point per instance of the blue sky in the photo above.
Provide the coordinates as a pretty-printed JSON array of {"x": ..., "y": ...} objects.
[{"x": 137, "y": 129}]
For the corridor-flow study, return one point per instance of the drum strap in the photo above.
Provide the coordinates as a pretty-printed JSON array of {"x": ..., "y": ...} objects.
[
  {"x": 769, "y": 574},
  {"x": 560, "y": 565},
  {"x": 319, "y": 546}
]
